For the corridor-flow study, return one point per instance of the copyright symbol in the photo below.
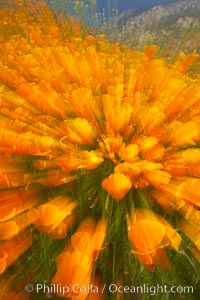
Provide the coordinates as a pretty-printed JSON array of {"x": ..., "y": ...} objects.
[{"x": 28, "y": 288}]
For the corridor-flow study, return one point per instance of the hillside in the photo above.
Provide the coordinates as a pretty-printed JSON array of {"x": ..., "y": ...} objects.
[{"x": 174, "y": 25}]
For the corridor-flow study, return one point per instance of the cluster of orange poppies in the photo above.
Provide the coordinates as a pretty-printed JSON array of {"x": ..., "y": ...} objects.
[{"x": 72, "y": 104}]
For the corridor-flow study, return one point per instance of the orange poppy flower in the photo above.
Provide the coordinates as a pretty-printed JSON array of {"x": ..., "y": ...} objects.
[
  {"x": 49, "y": 216},
  {"x": 151, "y": 119},
  {"x": 91, "y": 159},
  {"x": 117, "y": 185},
  {"x": 150, "y": 234},
  {"x": 63, "y": 228},
  {"x": 79, "y": 271},
  {"x": 80, "y": 131},
  {"x": 183, "y": 134},
  {"x": 11, "y": 228},
  {"x": 118, "y": 117},
  {"x": 157, "y": 177},
  {"x": 111, "y": 144},
  {"x": 15, "y": 202},
  {"x": 188, "y": 190},
  {"x": 168, "y": 201},
  {"x": 129, "y": 153},
  {"x": 131, "y": 170},
  {"x": 88, "y": 108},
  {"x": 89, "y": 237},
  {"x": 69, "y": 162},
  {"x": 11, "y": 250}
]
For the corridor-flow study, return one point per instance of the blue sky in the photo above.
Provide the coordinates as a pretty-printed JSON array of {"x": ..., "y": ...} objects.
[{"x": 127, "y": 4}]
